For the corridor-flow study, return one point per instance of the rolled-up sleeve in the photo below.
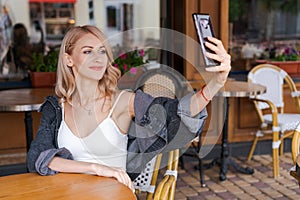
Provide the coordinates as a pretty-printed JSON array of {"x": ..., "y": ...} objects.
[
  {"x": 42, "y": 162},
  {"x": 196, "y": 123}
]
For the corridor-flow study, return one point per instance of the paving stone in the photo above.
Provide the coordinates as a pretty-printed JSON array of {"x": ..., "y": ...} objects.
[
  {"x": 241, "y": 183},
  {"x": 263, "y": 197},
  {"x": 190, "y": 180},
  {"x": 180, "y": 196},
  {"x": 195, "y": 198},
  {"x": 285, "y": 191},
  {"x": 294, "y": 197},
  {"x": 282, "y": 198},
  {"x": 217, "y": 188},
  {"x": 234, "y": 189},
  {"x": 285, "y": 182},
  {"x": 198, "y": 188},
  {"x": 295, "y": 186},
  {"x": 207, "y": 193},
  {"x": 245, "y": 196},
  {"x": 271, "y": 192},
  {"x": 226, "y": 195},
  {"x": 226, "y": 183},
  {"x": 260, "y": 185},
  {"x": 213, "y": 198},
  {"x": 234, "y": 179},
  {"x": 297, "y": 191},
  {"x": 189, "y": 192},
  {"x": 250, "y": 179},
  {"x": 251, "y": 190}
]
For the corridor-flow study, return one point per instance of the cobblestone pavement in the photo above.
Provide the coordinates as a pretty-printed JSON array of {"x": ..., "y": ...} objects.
[{"x": 260, "y": 185}]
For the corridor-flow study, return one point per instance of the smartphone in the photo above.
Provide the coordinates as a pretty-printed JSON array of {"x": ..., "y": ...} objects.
[{"x": 204, "y": 28}]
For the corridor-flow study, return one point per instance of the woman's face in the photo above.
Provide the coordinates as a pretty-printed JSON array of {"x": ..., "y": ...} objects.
[{"x": 89, "y": 58}]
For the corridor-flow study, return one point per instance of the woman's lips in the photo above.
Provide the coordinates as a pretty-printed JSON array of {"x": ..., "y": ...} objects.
[{"x": 96, "y": 68}]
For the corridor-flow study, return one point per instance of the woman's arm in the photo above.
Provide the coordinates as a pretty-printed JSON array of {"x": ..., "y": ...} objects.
[
  {"x": 201, "y": 99},
  {"x": 44, "y": 147},
  {"x": 71, "y": 166}
]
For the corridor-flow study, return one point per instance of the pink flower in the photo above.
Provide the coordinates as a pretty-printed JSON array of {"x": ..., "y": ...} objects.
[
  {"x": 123, "y": 56},
  {"x": 125, "y": 67},
  {"x": 133, "y": 70},
  {"x": 116, "y": 65},
  {"x": 142, "y": 52}
]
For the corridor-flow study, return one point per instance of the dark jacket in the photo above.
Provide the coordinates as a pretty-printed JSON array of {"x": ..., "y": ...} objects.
[{"x": 158, "y": 121}]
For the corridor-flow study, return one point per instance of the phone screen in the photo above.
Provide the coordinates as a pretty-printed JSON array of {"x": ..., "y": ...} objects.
[{"x": 204, "y": 28}]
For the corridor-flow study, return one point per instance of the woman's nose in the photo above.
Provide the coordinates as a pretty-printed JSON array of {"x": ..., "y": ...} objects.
[{"x": 99, "y": 57}]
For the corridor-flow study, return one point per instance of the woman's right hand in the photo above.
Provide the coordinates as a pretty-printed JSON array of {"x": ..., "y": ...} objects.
[{"x": 117, "y": 173}]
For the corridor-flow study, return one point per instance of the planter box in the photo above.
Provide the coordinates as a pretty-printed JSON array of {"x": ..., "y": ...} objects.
[
  {"x": 43, "y": 79},
  {"x": 291, "y": 67}
]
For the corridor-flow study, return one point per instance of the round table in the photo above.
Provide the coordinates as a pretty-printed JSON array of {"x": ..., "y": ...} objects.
[
  {"x": 233, "y": 89},
  {"x": 63, "y": 186},
  {"x": 24, "y": 100}
]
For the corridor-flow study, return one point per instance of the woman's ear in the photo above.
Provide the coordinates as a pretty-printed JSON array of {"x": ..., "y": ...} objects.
[{"x": 69, "y": 60}]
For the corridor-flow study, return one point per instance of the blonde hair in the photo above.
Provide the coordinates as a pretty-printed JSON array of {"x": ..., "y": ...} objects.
[{"x": 65, "y": 86}]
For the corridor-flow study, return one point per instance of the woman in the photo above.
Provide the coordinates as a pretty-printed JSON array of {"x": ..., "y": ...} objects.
[
  {"x": 84, "y": 129},
  {"x": 22, "y": 49}
]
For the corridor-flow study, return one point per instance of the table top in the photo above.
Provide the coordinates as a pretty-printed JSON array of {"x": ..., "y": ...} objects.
[
  {"x": 234, "y": 88},
  {"x": 28, "y": 99},
  {"x": 62, "y": 186}
]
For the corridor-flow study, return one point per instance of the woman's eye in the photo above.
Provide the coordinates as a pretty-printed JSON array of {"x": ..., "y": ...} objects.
[
  {"x": 102, "y": 51},
  {"x": 87, "y": 52}
]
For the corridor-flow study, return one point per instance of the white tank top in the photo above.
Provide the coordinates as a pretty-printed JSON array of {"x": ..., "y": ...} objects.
[{"x": 105, "y": 145}]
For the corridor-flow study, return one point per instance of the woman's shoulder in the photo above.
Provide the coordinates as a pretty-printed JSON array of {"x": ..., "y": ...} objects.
[
  {"x": 50, "y": 101},
  {"x": 126, "y": 93}
]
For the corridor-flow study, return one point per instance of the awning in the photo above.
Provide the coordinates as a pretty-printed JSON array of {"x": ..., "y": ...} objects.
[{"x": 53, "y": 1}]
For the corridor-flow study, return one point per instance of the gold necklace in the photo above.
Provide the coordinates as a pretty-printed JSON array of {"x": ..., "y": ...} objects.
[{"x": 88, "y": 110}]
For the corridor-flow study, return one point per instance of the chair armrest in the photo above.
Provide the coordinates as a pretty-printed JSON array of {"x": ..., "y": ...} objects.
[
  {"x": 295, "y": 94},
  {"x": 273, "y": 109}
]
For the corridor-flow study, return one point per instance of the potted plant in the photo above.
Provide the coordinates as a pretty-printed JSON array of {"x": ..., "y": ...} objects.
[
  {"x": 130, "y": 60},
  {"x": 286, "y": 57},
  {"x": 129, "y": 63},
  {"x": 43, "y": 71}
]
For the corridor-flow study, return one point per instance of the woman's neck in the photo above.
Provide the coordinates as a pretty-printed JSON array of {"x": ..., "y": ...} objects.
[{"x": 87, "y": 93}]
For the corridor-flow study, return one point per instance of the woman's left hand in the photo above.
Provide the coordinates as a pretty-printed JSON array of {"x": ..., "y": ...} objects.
[{"x": 220, "y": 55}]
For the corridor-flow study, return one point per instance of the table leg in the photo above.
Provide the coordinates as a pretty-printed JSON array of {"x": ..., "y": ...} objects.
[
  {"x": 226, "y": 160},
  {"x": 28, "y": 129}
]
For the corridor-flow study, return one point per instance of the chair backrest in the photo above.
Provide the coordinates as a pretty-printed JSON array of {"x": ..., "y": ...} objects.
[
  {"x": 158, "y": 81},
  {"x": 273, "y": 78}
]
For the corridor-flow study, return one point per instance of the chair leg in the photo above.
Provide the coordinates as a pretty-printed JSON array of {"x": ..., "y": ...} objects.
[
  {"x": 275, "y": 162},
  {"x": 181, "y": 162},
  {"x": 202, "y": 182},
  {"x": 296, "y": 144},
  {"x": 200, "y": 165},
  {"x": 281, "y": 148},
  {"x": 252, "y": 148},
  {"x": 275, "y": 146}
]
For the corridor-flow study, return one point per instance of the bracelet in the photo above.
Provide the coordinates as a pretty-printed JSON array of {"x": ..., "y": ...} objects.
[{"x": 202, "y": 93}]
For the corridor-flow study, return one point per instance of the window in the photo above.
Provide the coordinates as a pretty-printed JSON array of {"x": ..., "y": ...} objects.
[
  {"x": 119, "y": 15},
  {"x": 54, "y": 18},
  {"x": 257, "y": 25}
]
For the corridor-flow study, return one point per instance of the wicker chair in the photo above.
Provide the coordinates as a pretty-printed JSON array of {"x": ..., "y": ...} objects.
[
  {"x": 159, "y": 81},
  {"x": 270, "y": 108}
]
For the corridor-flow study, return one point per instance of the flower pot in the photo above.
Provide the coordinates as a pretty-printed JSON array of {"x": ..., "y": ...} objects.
[
  {"x": 291, "y": 67},
  {"x": 43, "y": 79}
]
